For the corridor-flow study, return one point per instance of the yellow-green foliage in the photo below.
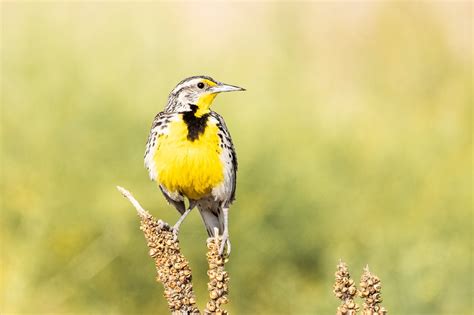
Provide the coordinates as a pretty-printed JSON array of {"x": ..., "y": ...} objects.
[{"x": 354, "y": 142}]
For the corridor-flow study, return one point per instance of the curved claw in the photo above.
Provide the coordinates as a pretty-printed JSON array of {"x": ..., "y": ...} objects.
[
  {"x": 225, "y": 241},
  {"x": 162, "y": 225},
  {"x": 175, "y": 231}
]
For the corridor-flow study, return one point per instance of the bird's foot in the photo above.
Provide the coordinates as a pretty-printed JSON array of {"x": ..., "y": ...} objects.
[
  {"x": 225, "y": 241},
  {"x": 163, "y": 225},
  {"x": 175, "y": 231}
]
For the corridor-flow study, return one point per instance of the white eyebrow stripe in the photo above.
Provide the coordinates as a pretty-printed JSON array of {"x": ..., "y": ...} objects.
[
  {"x": 190, "y": 82},
  {"x": 182, "y": 85}
]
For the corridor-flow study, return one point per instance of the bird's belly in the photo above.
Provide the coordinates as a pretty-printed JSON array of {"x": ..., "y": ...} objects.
[{"x": 192, "y": 168}]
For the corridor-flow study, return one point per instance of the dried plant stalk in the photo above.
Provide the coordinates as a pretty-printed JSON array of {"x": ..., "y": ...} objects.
[
  {"x": 345, "y": 290},
  {"x": 172, "y": 267},
  {"x": 218, "y": 278},
  {"x": 370, "y": 288}
]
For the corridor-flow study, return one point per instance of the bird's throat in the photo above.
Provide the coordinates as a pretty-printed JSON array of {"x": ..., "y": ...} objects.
[
  {"x": 204, "y": 103},
  {"x": 196, "y": 124}
]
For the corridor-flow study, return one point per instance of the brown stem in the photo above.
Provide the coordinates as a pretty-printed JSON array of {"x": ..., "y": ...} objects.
[
  {"x": 218, "y": 284},
  {"x": 172, "y": 267},
  {"x": 370, "y": 288},
  {"x": 345, "y": 290}
]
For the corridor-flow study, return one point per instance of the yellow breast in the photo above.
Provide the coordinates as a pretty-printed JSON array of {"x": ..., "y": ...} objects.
[{"x": 194, "y": 167}]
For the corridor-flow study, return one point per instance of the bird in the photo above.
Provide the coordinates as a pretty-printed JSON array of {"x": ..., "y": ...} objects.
[{"x": 190, "y": 155}]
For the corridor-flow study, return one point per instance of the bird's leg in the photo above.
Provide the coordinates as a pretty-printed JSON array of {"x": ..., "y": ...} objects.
[
  {"x": 175, "y": 228},
  {"x": 225, "y": 235}
]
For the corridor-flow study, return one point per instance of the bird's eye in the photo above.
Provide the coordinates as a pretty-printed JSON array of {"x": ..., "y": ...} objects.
[{"x": 200, "y": 85}]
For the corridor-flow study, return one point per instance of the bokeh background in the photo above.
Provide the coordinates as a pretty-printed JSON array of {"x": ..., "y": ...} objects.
[{"x": 354, "y": 141}]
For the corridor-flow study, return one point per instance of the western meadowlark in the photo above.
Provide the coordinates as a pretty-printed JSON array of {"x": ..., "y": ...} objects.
[{"x": 189, "y": 153}]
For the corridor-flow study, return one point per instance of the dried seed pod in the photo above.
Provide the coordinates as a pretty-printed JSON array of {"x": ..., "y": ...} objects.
[
  {"x": 371, "y": 294},
  {"x": 224, "y": 299},
  {"x": 218, "y": 278},
  {"x": 171, "y": 265},
  {"x": 345, "y": 290},
  {"x": 173, "y": 269},
  {"x": 352, "y": 290}
]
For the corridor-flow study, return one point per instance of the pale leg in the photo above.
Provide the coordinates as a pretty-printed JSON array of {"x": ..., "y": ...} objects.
[
  {"x": 225, "y": 235},
  {"x": 180, "y": 220}
]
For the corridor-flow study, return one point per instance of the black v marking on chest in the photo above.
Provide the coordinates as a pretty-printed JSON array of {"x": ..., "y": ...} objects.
[{"x": 196, "y": 125}]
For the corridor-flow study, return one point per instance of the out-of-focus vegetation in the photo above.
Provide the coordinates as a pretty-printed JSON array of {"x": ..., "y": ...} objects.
[{"x": 354, "y": 141}]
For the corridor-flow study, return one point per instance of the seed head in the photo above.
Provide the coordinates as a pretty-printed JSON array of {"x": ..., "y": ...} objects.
[{"x": 370, "y": 288}]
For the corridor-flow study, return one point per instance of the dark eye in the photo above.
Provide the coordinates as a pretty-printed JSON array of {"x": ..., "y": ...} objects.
[{"x": 201, "y": 85}]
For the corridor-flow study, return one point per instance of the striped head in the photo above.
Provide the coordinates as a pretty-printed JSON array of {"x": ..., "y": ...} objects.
[{"x": 199, "y": 91}]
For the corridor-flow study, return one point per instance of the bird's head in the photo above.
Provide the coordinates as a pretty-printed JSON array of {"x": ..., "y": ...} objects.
[{"x": 199, "y": 91}]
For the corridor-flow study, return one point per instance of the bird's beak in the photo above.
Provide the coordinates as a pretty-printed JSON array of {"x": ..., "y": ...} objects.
[{"x": 221, "y": 87}]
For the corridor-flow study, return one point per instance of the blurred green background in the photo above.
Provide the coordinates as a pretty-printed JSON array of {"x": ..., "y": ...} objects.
[{"x": 354, "y": 141}]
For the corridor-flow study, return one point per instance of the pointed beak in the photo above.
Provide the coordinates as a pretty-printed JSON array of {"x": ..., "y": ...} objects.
[{"x": 221, "y": 87}]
